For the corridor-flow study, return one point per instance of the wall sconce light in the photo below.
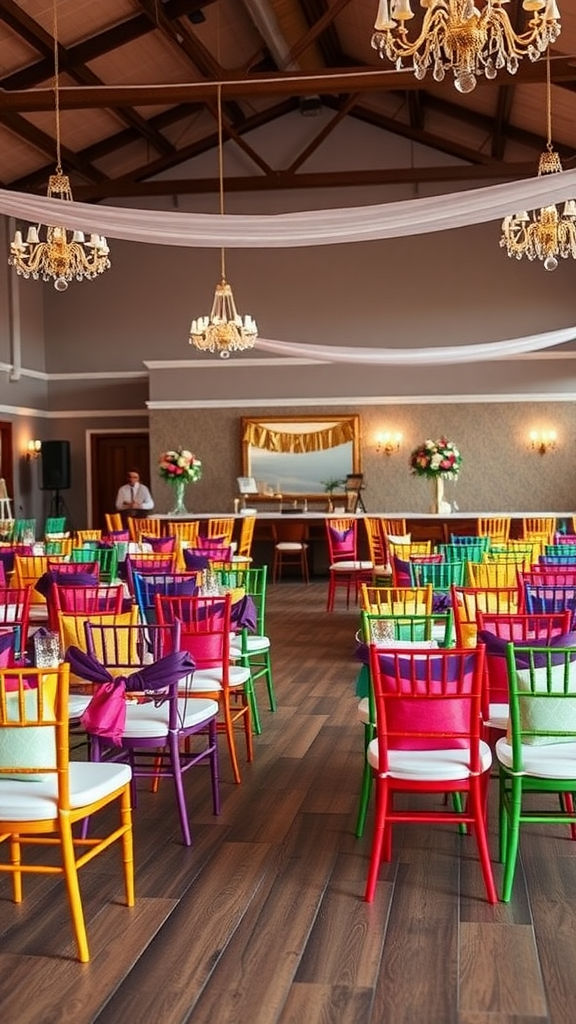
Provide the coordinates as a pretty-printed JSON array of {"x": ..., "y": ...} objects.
[
  {"x": 388, "y": 442},
  {"x": 542, "y": 440},
  {"x": 33, "y": 450}
]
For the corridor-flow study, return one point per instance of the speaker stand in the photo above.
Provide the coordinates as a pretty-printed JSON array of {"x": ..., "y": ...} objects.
[{"x": 58, "y": 507}]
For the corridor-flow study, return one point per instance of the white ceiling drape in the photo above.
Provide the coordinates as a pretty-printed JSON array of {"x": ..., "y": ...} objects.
[
  {"x": 420, "y": 356},
  {"x": 322, "y": 227},
  {"x": 309, "y": 227}
]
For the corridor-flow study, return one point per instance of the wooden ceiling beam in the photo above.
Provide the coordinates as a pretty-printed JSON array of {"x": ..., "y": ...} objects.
[
  {"x": 346, "y": 106},
  {"x": 36, "y": 182},
  {"x": 280, "y": 84},
  {"x": 405, "y": 130},
  {"x": 43, "y": 42},
  {"x": 321, "y": 30},
  {"x": 98, "y": 150},
  {"x": 283, "y": 180},
  {"x": 46, "y": 144}
]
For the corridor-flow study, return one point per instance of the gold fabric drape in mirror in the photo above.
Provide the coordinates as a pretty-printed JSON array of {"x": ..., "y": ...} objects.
[{"x": 260, "y": 435}]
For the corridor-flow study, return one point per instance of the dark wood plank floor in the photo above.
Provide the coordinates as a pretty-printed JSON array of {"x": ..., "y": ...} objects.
[{"x": 262, "y": 921}]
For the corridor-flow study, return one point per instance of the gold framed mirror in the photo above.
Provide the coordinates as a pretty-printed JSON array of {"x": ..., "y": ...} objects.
[{"x": 301, "y": 456}]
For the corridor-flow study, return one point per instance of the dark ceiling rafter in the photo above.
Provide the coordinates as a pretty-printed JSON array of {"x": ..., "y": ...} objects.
[
  {"x": 333, "y": 82},
  {"x": 180, "y": 34},
  {"x": 345, "y": 107},
  {"x": 343, "y": 87},
  {"x": 285, "y": 180},
  {"x": 321, "y": 18},
  {"x": 136, "y": 179},
  {"x": 43, "y": 42}
]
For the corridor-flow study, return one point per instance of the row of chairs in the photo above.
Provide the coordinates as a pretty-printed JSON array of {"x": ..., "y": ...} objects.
[
  {"x": 215, "y": 692},
  {"x": 429, "y": 740},
  {"x": 428, "y": 719}
]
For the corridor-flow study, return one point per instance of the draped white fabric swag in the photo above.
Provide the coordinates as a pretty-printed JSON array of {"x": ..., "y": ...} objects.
[{"x": 322, "y": 227}]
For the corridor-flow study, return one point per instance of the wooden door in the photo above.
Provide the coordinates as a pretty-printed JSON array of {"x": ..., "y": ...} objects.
[{"x": 112, "y": 456}]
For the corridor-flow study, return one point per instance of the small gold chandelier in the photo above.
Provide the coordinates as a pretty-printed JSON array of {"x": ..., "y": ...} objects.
[
  {"x": 544, "y": 234},
  {"x": 458, "y": 37},
  {"x": 58, "y": 257},
  {"x": 224, "y": 331}
]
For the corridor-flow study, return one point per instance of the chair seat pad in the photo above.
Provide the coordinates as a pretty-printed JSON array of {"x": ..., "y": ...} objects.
[
  {"x": 351, "y": 565},
  {"x": 148, "y": 720},
  {"x": 430, "y": 765},
  {"x": 37, "y": 801},
  {"x": 363, "y": 710},
  {"x": 210, "y": 679},
  {"x": 552, "y": 761},
  {"x": 497, "y": 717},
  {"x": 290, "y": 545},
  {"x": 38, "y": 613},
  {"x": 254, "y": 645},
  {"x": 77, "y": 704}
]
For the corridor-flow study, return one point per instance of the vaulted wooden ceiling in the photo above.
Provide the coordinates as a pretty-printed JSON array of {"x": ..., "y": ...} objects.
[{"x": 138, "y": 86}]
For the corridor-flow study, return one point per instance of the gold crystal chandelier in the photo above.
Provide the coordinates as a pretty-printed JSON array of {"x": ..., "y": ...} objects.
[
  {"x": 544, "y": 234},
  {"x": 224, "y": 331},
  {"x": 59, "y": 257},
  {"x": 458, "y": 37}
]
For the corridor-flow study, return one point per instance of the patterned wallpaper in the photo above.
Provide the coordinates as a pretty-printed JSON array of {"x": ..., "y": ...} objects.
[{"x": 500, "y": 473}]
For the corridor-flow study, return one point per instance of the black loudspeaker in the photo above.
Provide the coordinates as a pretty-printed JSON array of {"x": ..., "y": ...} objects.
[{"x": 55, "y": 465}]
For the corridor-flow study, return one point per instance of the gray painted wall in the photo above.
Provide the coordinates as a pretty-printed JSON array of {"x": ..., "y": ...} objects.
[{"x": 94, "y": 355}]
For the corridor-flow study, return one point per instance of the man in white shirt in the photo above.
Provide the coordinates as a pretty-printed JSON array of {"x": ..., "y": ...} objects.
[{"x": 134, "y": 498}]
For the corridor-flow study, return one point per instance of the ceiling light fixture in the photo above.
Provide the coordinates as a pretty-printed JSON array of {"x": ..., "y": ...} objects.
[
  {"x": 223, "y": 331},
  {"x": 456, "y": 36},
  {"x": 544, "y": 234},
  {"x": 58, "y": 257}
]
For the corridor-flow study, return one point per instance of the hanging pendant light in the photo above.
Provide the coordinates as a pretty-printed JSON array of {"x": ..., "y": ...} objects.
[
  {"x": 224, "y": 331},
  {"x": 62, "y": 256},
  {"x": 549, "y": 233},
  {"x": 458, "y": 36}
]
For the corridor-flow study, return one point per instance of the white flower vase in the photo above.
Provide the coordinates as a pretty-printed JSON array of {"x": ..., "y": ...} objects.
[
  {"x": 439, "y": 505},
  {"x": 179, "y": 506}
]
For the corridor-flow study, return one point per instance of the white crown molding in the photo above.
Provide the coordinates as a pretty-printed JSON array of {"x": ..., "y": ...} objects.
[
  {"x": 91, "y": 375},
  {"x": 235, "y": 362},
  {"x": 364, "y": 400},
  {"x": 70, "y": 414},
  {"x": 229, "y": 364}
]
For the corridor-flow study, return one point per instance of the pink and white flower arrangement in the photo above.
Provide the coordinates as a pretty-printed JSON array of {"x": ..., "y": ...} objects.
[
  {"x": 436, "y": 458},
  {"x": 180, "y": 465}
]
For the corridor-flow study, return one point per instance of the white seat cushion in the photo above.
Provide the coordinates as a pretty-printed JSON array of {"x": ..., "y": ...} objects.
[
  {"x": 77, "y": 704},
  {"x": 149, "y": 720},
  {"x": 37, "y": 801},
  {"x": 254, "y": 645},
  {"x": 210, "y": 679},
  {"x": 497, "y": 717},
  {"x": 290, "y": 545},
  {"x": 552, "y": 761},
  {"x": 427, "y": 765},
  {"x": 364, "y": 711},
  {"x": 351, "y": 565}
]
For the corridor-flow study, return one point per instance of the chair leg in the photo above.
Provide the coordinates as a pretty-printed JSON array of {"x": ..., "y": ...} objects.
[
  {"x": 127, "y": 846},
  {"x": 377, "y": 838},
  {"x": 176, "y": 769},
  {"x": 513, "y": 840},
  {"x": 73, "y": 889},
  {"x": 331, "y": 588},
  {"x": 366, "y": 786},
  {"x": 251, "y": 694},
  {"x": 16, "y": 858},
  {"x": 214, "y": 765},
  {"x": 479, "y": 811}
]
